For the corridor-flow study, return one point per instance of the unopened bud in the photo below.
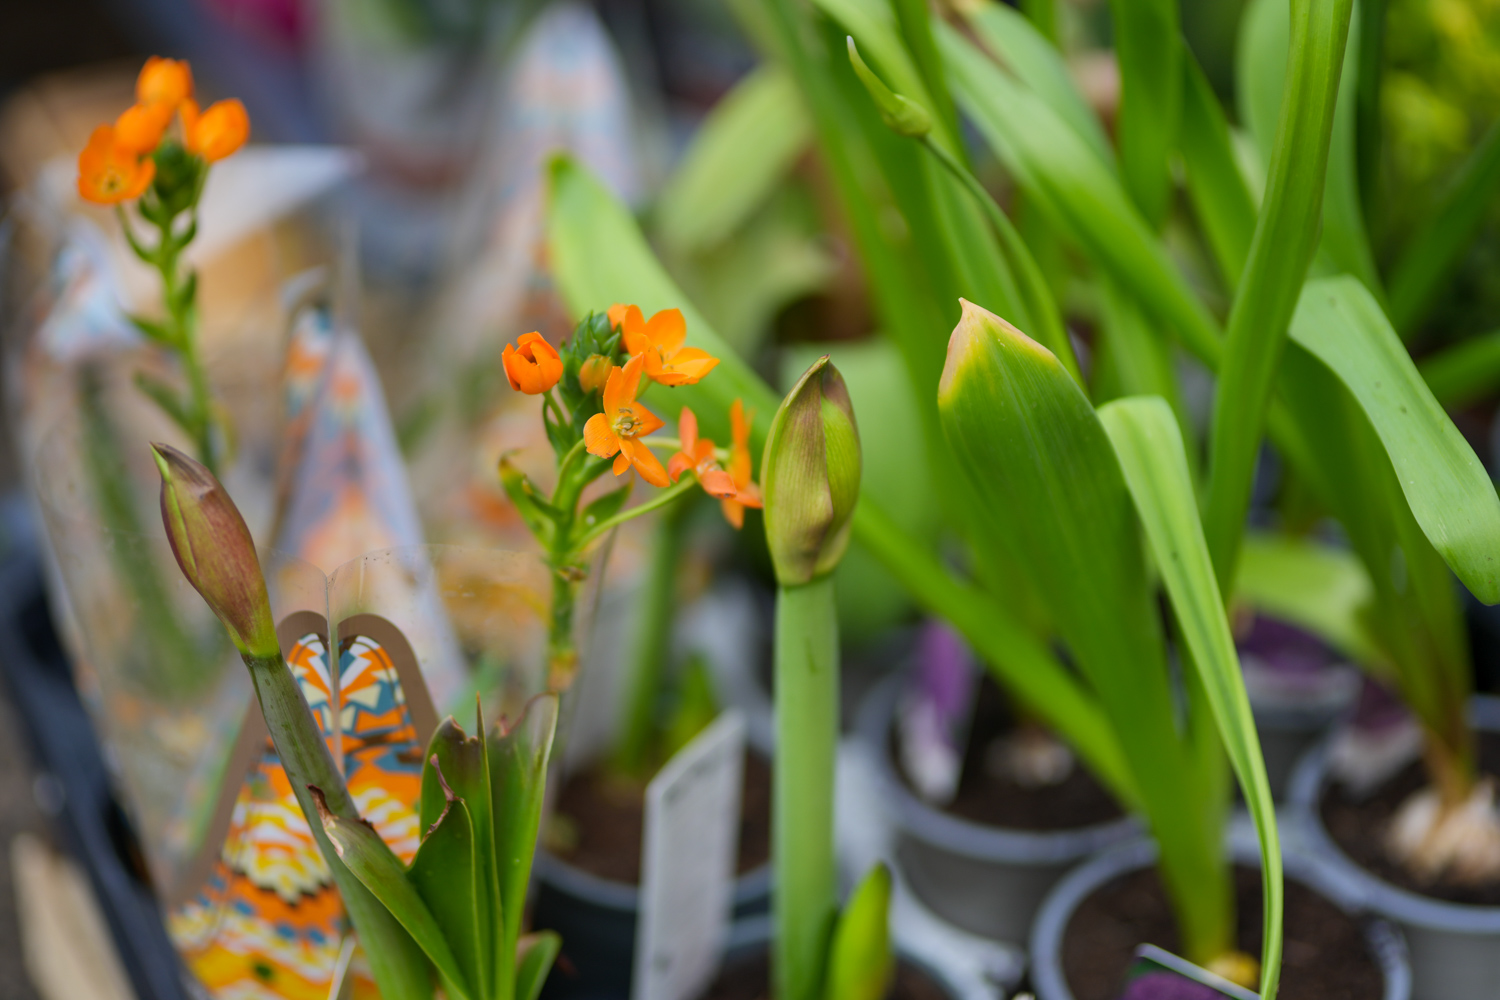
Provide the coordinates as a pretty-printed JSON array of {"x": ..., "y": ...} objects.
[
  {"x": 215, "y": 551},
  {"x": 594, "y": 372},
  {"x": 900, "y": 114},
  {"x": 810, "y": 476}
]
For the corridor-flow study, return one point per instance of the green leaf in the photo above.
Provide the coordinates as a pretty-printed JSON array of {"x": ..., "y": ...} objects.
[
  {"x": 464, "y": 768},
  {"x": 1146, "y": 440},
  {"x": 1465, "y": 372},
  {"x": 745, "y": 147},
  {"x": 362, "y": 851},
  {"x": 1031, "y": 446},
  {"x": 1428, "y": 260},
  {"x": 1322, "y": 589},
  {"x": 445, "y": 874},
  {"x": 1221, "y": 199},
  {"x": 1449, "y": 492},
  {"x": 1150, "y": 58},
  {"x": 1035, "y": 61},
  {"x": 539, "y": 515},
  {"x": 861, "y": 964},
  {"x": 535, "y": 955},
  {"x": 517, "y": 761},
  {"x": 606, "y": 506},
  {"x": 154, "y": 331},
  {"x": 1075, "y": 191},
  {"x": 1286, "y": 235},
  {"x": 164, "y": 396}
]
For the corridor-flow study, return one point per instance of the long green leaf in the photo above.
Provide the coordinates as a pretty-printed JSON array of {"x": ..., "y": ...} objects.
[
  {"x": 362, "y": 851},
  {"x": 1286, "y": 235},
  {"x": 518, "y": 758},
  {"x": 1144, "y": 433},
  {"x": 1444, "y": 482},
  {"x": 1428, "y": 261},
  {"x": 1035, "y": 61},
  {"x": 1075, "y": 190},
  {"x": 538, "y": 952},
  {"x": 1150, "y": 61},
  {"x": 1466, "y": 372},
  {"x": 1031, "y": 446},
  {"x": 1314, "y": 586},
  {"x": 446, "y": 877},
  {"x": 861, "y": 963},
  {"x": 465, "y": 771},
  {"x": 599, "y": 256},
  {"x": 1220, "y": 196},
  {"x": 746, "y": 145}
]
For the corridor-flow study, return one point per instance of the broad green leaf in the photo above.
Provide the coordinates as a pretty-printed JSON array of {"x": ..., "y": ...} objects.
[
  {"x": 1286, "y": 234},
  {"x": 1031, "y": 446},
  {"x": 1220, "y": 196},
  {"x": 1466, "y": 372},
  {"x": 1449, "y": 492},
  {"x": 1075, "y": 190},
  {"x": 1428, "y": 260},
  {"x": 1132, "y": 359},
  {"x": 1150, "y": 59},
  {"x": 861, "y": 964},
  {"x": 1322, "y": 589},
  {"x": 1035, "y": 61},
  {"x": 446, "y": 876},
  {"x": 537, "y": 952},
  {"x": 518, "y": 757},
  {"x": 599, "y": 256},
  {"x": 1144, "y": 433},
  {"x": 747, "y": 144},
  {"x": 465, "y": 771},
  {"x": 362, "y": 851}
]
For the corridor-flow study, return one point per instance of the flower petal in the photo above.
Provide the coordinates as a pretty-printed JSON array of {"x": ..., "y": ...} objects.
[
  {"x": 621, "y": 464},
  {"x": 646, "y": 463},
  {"x": 734, "y": 513},
  {"x": 687, "y": 430},
  {"x": 646, "y": 422},
  {"x": 599, "y": 438},
  {"x": 667, "y": 330},
  {"x": 717, "y": 483}
]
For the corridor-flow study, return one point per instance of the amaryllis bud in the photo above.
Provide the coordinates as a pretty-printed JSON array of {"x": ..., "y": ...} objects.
[
  {"x": 594, "y": 372},
  {"x": 215, "y": 551},
  {"x": 810, "y": 476}
]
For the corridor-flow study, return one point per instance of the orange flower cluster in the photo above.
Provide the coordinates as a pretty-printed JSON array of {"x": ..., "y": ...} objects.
[
  {"x": 118, "y": 165},
  {"x": 657, "y": 351}
]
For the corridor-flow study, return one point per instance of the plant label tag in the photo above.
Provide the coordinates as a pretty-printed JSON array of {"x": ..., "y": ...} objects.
[
  {"x": 1157, "y": 974},
  {"x": 688, "y": 864}
]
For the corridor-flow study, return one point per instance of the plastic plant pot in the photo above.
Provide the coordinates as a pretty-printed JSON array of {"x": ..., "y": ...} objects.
[
  {"x": 985, "y": 879},
  {"x": 597, "y": 920},
  {"x": 1455, "y": 948},
  {"x": 1386, "y": 943}
]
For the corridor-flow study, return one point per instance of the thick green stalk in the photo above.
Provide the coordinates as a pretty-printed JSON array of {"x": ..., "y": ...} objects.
[
  {"x": 398, "y": 965},
  {"x": 653, "y": 645},
  {"x": 1286, "y": 235},
  {"x": 807, "y": 725}
]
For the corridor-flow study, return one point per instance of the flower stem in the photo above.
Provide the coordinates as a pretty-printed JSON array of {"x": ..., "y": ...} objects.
[
  {"x": 652, "y": 648},
  {"x": 661, "y": 499},
  {"x": 807, "y": 721}
]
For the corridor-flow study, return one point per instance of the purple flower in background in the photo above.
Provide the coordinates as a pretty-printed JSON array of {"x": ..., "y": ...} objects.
[
  {"x": 1168, "y": 986},
  {"x": 934, "y": 713}
]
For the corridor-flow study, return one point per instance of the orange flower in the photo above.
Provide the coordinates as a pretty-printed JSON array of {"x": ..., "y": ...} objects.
[
  {"x": 109, "y": 173},
  {"x": 140, "y": 128},
  {"x": 747, "y": 493},
  {"x": 593, "y": 372},
  {"x": 164, "y": 81},
  {"x": 624, "y": 421},
  {"x": 532, "y": 365},
  {"x": 217, "y": 132},
  {"x": 660, "y": 339},
  {"x": 698, "y": 454}
]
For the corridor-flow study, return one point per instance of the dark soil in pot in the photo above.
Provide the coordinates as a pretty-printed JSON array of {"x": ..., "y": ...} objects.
[
  {"x": 1326, "y": 957},
  {"x": 749, "y": 978},
  {"x": 606, "y": 819},
  {"x": 1358, "y": 827},
  {"x": 988, "y": 796}
]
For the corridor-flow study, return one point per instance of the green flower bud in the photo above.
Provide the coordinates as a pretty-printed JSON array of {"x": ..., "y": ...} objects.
[
  {"x": 901, "y": 115},
  {"x": 810, "y": 476},
  {"x": 215, "y": 551}
]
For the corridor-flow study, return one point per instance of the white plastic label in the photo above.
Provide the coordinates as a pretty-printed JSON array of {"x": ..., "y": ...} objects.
[{"x": 688, "y": 862}]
